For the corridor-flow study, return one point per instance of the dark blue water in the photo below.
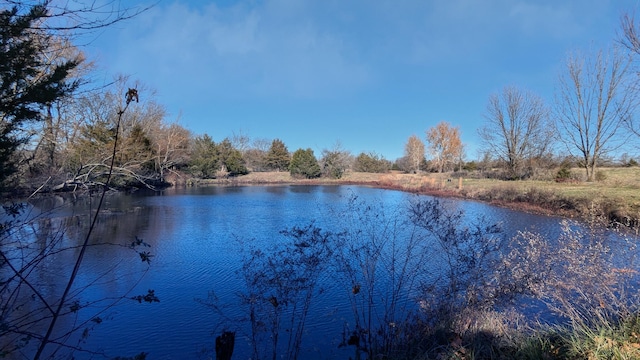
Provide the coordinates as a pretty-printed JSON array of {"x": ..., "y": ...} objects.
[{"x": 196, "y": 236}]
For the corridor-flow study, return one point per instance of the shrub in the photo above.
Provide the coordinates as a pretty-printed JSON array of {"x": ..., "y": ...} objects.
[
  {"x": 281, "y": 283},
  {"x": 335, "y": 163},
  {"x": 470, "y": 166},
  {"x": 372, "y": 163},
  {"x": 564, "y": 173},
  {"x": 473, "y": 308},
  {"x": 303, "y": 163},
  {"x": 235, "y": 164},
  {"x": 601, "y": 176}
]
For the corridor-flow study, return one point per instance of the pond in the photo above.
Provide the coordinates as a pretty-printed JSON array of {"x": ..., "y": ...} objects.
[{"x": 198, "y": 238}]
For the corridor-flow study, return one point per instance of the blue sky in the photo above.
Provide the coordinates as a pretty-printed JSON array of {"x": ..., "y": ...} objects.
[{"x": 366, "y": 73}]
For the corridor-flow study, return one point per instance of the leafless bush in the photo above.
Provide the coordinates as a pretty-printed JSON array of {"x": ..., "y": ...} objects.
[
  {"x": 381, "y": 258},
  {"x": 280, "y": 283},
  {"x": 542, "y": 174},
  {"x": 583, "y": 276},
  {"x": 467, "y": 254},
  {"x": 34, "y": 249},
  {"x": 426, "y": 281}
]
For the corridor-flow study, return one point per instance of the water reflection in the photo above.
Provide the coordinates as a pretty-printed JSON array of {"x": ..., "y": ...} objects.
[{"x": 196, "y": 235}]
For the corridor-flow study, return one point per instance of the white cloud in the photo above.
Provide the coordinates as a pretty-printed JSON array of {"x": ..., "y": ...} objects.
[
  {"x": 439, "y": 32},
  {"x": 292, "y": 49},
  {"x": 556, "y": 19},
  {"x": 261, "y": 50},
  {"x": 238, "y": 36}
]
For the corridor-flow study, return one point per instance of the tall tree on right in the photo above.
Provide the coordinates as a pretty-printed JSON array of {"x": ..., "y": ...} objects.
[
  {"x": 445, "y": 145},
  {"x": 516, "y": 129},
  {"x": 630, "y": 38},
  {"x": 596, "y": 97}
]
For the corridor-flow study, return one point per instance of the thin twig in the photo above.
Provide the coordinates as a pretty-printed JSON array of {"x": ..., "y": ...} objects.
[{"x": 131, "y": 95}]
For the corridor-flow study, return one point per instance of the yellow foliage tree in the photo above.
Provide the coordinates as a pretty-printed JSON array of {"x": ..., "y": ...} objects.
[
  {"x": 414, "y": 152},
  {"x": 445, "y": 145}
]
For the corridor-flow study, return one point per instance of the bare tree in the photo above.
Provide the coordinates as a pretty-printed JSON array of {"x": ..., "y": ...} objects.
[
  {"x": 75, "y": 17},
  {"x": 594, "y": 100},
  {"x": 241, "y": 141},
  {"x": 630, "y": 36},
  {"x": 171, "y": 148},
  {"x": 414, "y": 152},
  {"x": 444, "y": 145},
  {"x": 516, "y": 128},
  {"x": 335, "y": 161},
  {"x": 46, "y": 136},
  {"x": 256, "y": 153},
  {"x": 147, "y": 143}
]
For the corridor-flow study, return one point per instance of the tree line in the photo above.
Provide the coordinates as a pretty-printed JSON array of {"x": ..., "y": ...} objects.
[
  {"x": 57, "y": 127},
  {"x": 591, "y": 118}
]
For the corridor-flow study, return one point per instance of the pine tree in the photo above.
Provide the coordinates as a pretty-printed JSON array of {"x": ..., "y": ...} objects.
[
  {"x": 278, "y": 157},
  {"x": 232, "y": 159},
  {"x": 304, "y": 164},
  {"x": 205, "y": 159},
  {"x": 28, "y": 83}
]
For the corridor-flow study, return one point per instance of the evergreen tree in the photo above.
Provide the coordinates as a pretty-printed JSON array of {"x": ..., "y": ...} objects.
[
  {"x": 235, "y": 163},
  {"x": 28, "y": 82},
  {"x": 231, "y": 158},
  {"x": 372, "y": 163},
  {"x": 278, "y": 157},
  {"x": 205, "y": 159},
  {"x": 304, "y": 164}
]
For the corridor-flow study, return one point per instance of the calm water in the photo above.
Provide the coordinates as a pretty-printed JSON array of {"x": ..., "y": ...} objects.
[{"x": 195, "y": 236}]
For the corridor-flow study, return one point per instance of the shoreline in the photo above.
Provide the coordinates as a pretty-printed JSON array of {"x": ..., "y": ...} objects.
[
  {"x": 441, "y": 186},
  {"x": 614, "y": 203}
]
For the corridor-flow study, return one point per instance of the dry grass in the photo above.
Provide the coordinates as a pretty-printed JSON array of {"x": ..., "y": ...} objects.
[{"x": 282, "y": 177}]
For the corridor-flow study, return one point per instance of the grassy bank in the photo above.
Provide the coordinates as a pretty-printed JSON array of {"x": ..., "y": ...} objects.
[
  {"x": 494, "y": 335},
  {"x": 615, "y": 199}
]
